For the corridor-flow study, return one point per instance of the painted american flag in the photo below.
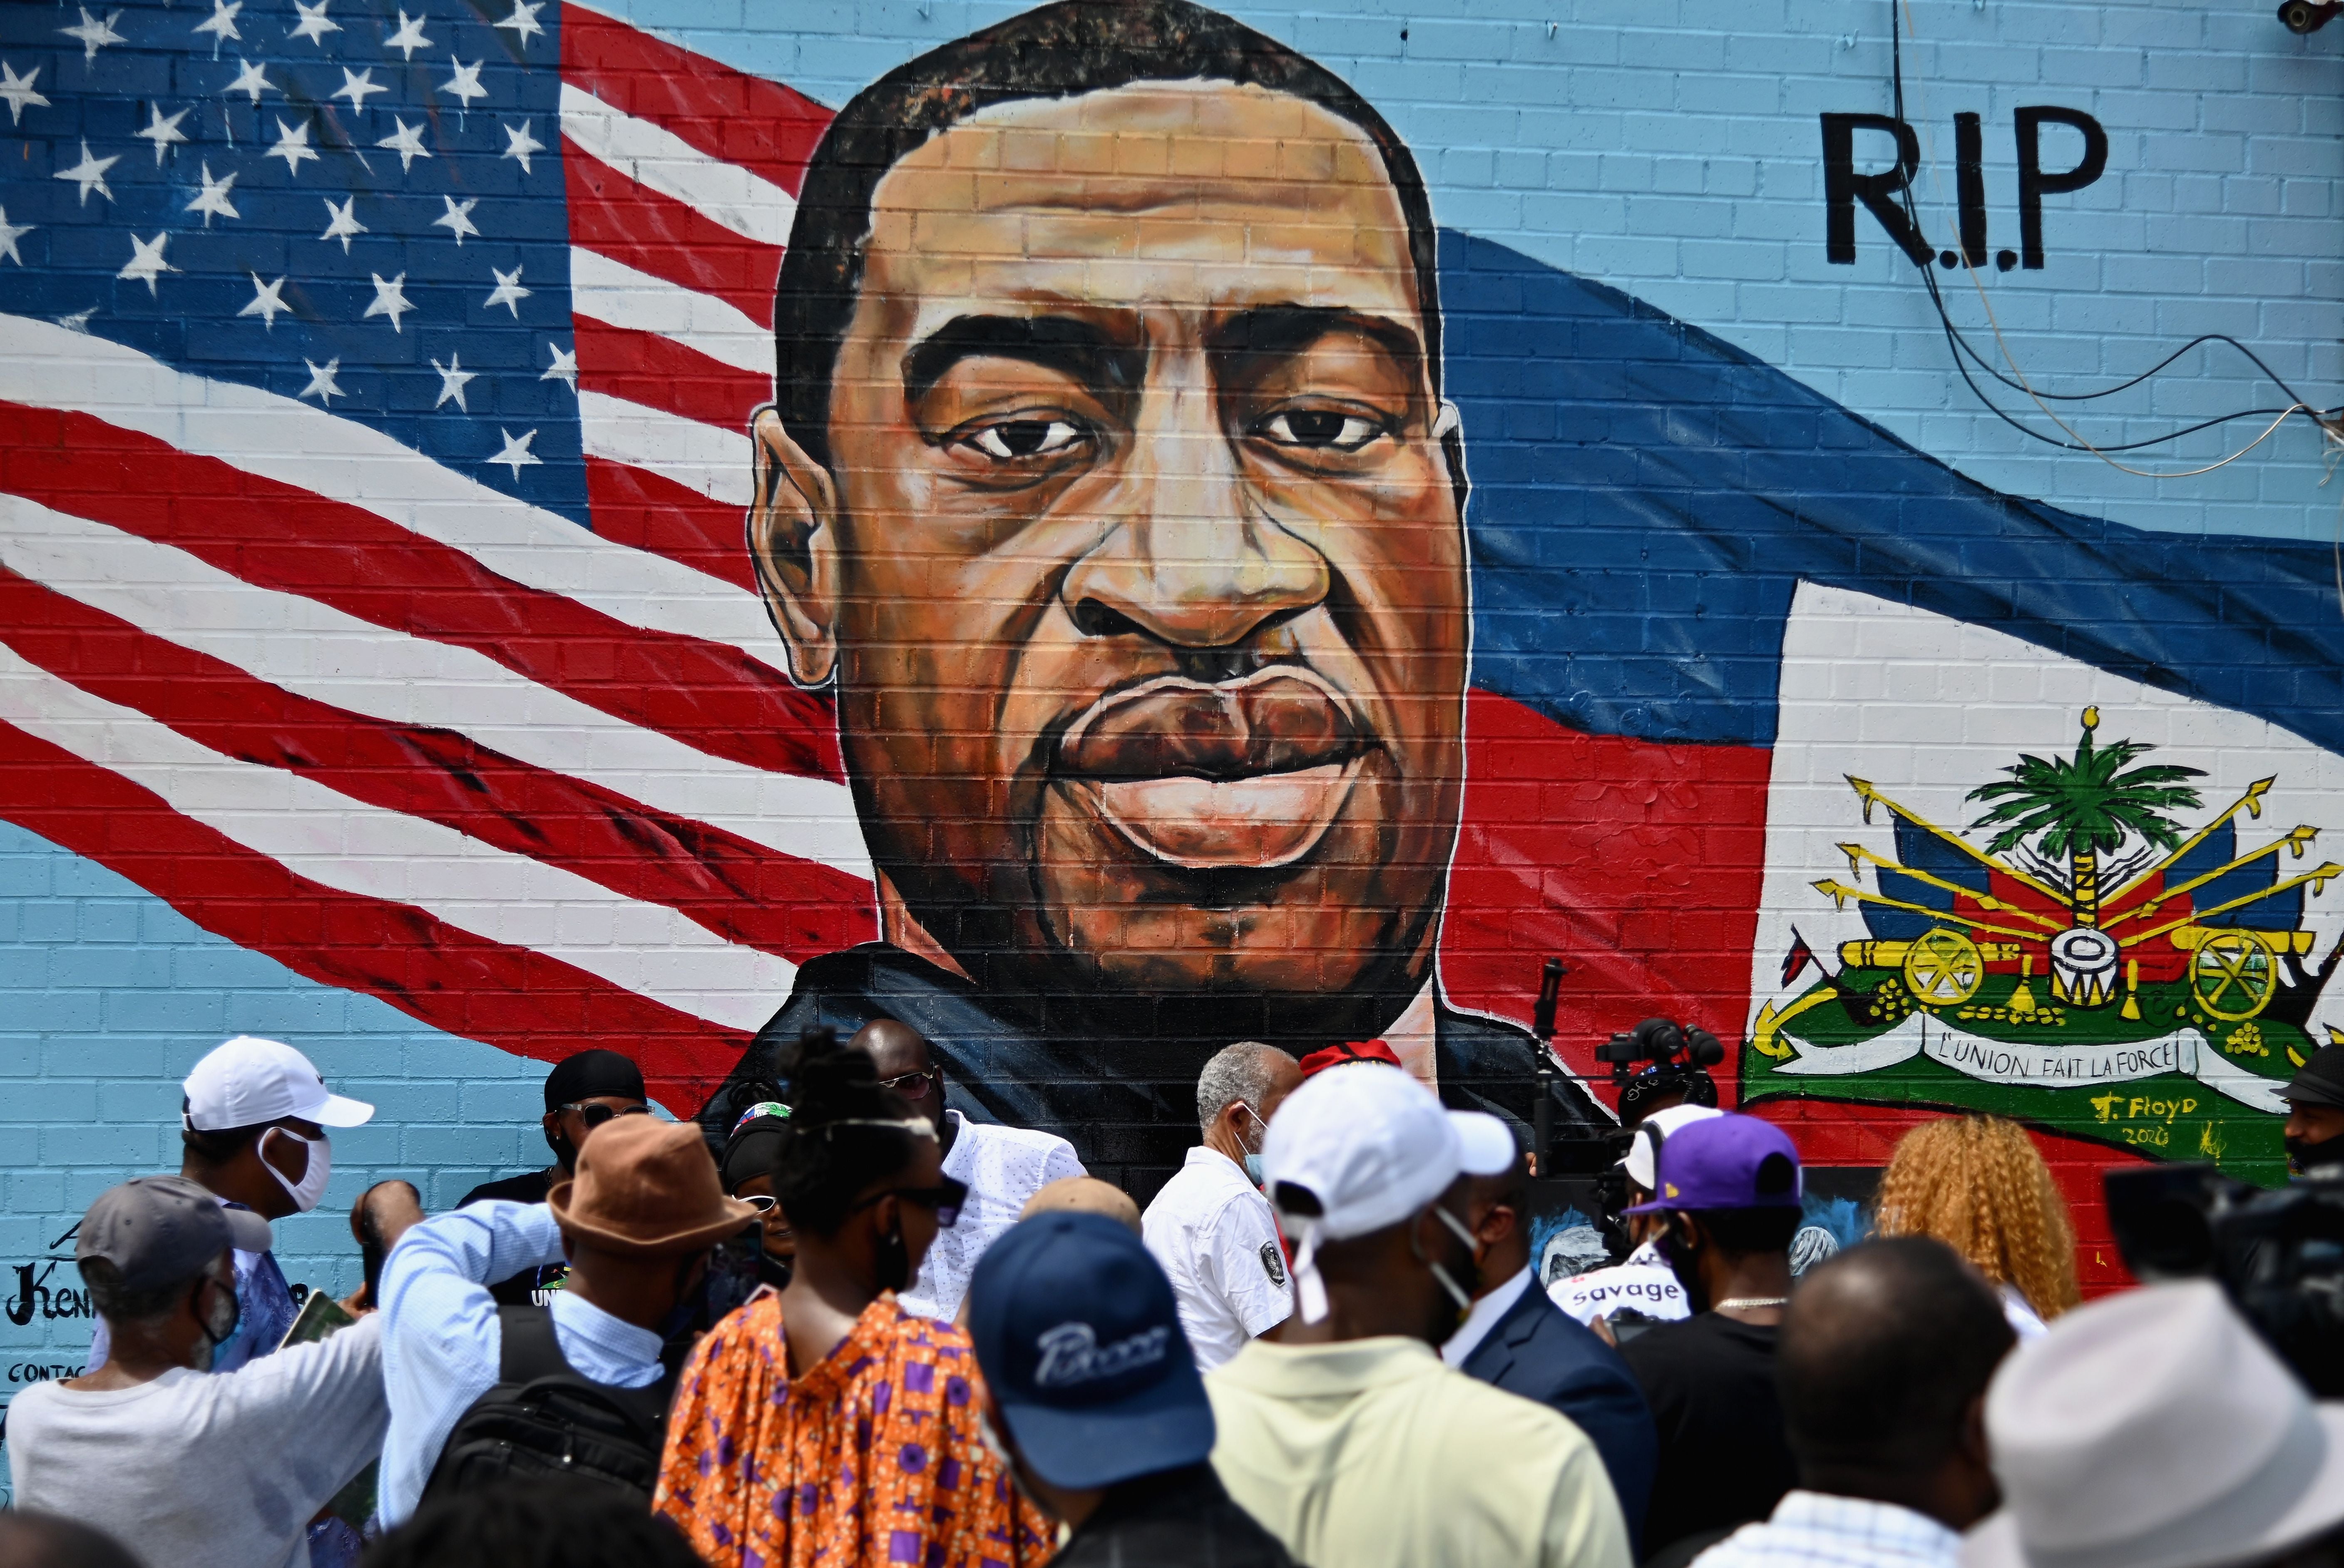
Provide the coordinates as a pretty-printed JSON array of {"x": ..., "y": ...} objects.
[{"x": 372, "y": 387}]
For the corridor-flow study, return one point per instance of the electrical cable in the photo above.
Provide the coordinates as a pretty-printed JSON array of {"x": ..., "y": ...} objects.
[{"x": 2330, "y": 423}]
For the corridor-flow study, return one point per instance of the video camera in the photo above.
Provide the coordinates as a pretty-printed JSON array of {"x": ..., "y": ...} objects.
[
  {"x": 2279, "y": 1255},
  {"x": 1677, "y": 1061}
]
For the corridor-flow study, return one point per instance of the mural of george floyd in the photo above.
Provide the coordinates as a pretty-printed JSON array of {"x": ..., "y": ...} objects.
[{"x": 1103, "y": 530}]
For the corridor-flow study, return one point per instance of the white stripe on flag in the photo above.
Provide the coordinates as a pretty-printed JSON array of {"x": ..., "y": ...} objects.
[
  {"x": 277, "y": 438},
  {"x": 322, "y": 834},
  {"x": 617, "y": 294},
  {"x": 724, "y": 194},
  {"x": 315, "y": 650},
  {"x": 714, "y": 461}
]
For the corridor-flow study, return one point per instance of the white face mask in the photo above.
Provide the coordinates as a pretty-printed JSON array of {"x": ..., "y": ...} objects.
[{"x": 306, "y": 1193}]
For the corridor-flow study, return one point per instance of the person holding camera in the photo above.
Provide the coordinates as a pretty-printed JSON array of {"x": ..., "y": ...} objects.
[
  {"x": 636, "y": 1223},
  {"x": 1728, "y": 1198},
  {"x": 2314, "y": 1114},
  {"x": 1640, "y": 1288}
]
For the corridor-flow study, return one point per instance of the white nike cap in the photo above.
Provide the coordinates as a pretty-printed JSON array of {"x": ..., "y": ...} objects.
[
  {"x": 1364, "y": 1146},
  {"x": 1654, "y": 1131},
  {"x": 247, "y": 1081}
]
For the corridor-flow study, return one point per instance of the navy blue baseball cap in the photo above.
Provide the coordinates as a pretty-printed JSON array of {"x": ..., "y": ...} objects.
[{"x": 1080, "y": 1343}]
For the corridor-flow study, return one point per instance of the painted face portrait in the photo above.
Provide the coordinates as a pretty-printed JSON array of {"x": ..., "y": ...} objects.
[{"x": 1137, "y": 561}]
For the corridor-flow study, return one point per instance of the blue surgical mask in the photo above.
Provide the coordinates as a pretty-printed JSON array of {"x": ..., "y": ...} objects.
[{"x": 1253, "y": 1156}]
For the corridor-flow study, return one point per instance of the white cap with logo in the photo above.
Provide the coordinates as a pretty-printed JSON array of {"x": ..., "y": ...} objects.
[
  {"x": 247, "y": 1081},
  {"x": 1362, "y": 1147}
]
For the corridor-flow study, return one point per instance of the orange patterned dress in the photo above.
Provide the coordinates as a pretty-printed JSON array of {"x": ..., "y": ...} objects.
[{"x": 873, "y": 1459}]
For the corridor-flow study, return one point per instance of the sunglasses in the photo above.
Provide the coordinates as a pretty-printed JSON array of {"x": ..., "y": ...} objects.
[
  {"x": 594, "y": 1116},
  {"x": 910, "y": 1086},
  {"x": 945, "y": 1198}
]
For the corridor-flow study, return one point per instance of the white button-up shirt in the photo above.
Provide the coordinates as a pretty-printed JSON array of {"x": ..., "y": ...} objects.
[
  {"x": 1004, "y": 1167},
  {"x": 442, "y": 1343},
  {"x": 1830, "y": 1532},
  {"x": 1217, "y": 1238}
]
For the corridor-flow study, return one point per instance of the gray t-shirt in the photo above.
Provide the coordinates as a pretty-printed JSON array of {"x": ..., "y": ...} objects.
[{"x": 201, "y": 1470}]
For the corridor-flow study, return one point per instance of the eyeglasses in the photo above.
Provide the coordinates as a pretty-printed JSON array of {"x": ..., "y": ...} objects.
[
  {"x": 947, "y": 1198},
  {"x": 910, "y": 1086},
  {"x": 594, "y": 1116}
]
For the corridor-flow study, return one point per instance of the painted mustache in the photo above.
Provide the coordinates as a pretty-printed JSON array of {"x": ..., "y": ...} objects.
[{"x": 1241, "y": 774}]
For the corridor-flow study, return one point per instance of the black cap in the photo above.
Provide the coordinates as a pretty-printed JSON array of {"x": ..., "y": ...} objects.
[
  {"x": 2321, "y": 1079},
  {"x": 589, "y": 1074}
]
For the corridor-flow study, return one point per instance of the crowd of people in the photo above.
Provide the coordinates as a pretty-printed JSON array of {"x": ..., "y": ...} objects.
[{"x": 869, "y": 1332}]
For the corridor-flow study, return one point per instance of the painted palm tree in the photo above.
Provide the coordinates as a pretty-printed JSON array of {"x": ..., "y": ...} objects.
[{"x": 2085, "y": 806}]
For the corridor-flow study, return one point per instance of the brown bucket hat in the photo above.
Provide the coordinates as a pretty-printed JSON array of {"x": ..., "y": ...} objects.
[{"x": 648, "y": 1187}]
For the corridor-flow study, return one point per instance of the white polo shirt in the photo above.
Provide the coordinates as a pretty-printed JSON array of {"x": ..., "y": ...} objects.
[
  {"x": 1217, "y": 1237},
  {"x": 1004, "y": 1167}
]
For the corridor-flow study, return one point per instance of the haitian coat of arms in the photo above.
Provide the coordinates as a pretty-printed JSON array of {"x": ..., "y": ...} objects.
[{"x": 2094, "y": 953}]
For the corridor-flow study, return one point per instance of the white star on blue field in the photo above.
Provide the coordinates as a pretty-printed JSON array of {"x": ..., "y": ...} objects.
[{"x": 256, "y": 189}]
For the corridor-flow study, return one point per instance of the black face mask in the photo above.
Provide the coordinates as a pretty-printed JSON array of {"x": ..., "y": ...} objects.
[{"x": 2303, "y": 1155}]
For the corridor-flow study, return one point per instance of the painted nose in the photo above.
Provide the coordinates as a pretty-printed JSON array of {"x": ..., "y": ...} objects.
[{"x": 1190, "y": 556}]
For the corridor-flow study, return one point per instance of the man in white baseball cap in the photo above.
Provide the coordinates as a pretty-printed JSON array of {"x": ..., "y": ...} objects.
[
  {"x": 253, "y": 1116},
  {"x": 1343, "y": 1432},
  {"x": 2155, "y": 1429},
  {"x": 252, "y": 1125},
  {"x": 1641, "y": 1282}
]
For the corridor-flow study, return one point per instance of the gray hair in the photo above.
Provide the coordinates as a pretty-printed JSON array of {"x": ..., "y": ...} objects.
[{"x": 1239, "y": 1072}]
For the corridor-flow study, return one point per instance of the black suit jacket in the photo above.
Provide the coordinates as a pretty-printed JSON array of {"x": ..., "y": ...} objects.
[
  {"x": 1541, "y": 1352},
  {"x": 1128, "y": 1105}
]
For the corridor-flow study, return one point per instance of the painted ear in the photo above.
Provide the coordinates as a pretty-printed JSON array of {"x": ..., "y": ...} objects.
[{"x": 794, "y": 540}]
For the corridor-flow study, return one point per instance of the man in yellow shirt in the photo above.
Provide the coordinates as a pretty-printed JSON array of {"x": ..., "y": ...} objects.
[{"x": 1344, "y": 1432}]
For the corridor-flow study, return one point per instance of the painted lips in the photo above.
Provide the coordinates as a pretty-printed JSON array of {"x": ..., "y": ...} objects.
[{"x": 1243, "y": 775}]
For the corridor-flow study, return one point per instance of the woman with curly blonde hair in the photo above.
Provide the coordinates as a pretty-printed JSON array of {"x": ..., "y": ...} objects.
[{"x": 1978, "y": 1184}]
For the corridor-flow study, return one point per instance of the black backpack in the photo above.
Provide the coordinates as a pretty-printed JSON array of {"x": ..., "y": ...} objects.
[{"x": 542, "y": 1418}]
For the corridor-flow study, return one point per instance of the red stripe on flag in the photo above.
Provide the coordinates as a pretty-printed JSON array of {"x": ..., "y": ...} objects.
[
  {"x": 727, "y": 113},
  {"x": 635, "y": 506},
  {"x": 740, "y": 890},
  {"x": 661, "y": 373},
  {"x": 1638, "y": 863},
  {"x": 705, "y": 694},
  {"x": 615, "y": 217},
  {"x": 509, "y": 997}
]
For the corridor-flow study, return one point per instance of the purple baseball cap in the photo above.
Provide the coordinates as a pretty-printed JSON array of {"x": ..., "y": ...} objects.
[{"x": 1726, "y": 1162}]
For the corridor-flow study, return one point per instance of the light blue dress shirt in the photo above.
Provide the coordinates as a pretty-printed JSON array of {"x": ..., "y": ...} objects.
[{"x": 441, "y": 1339}]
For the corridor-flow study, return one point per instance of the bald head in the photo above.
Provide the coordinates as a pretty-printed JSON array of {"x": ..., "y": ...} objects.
[
  {"x": 895, "y": 1048},
  {"x": 1084, "y": 1195},
  {"x": 1885, "y": 1352}
]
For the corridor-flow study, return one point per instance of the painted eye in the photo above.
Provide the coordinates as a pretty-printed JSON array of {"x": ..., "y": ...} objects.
[
  {"x": 1013, "y": 441},
  {"x": 1320, "y": 430}
]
